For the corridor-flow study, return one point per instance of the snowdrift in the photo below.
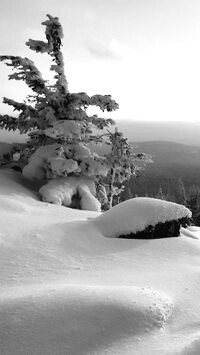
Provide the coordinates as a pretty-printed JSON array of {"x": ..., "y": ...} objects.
[{"x": 66, "y": 289}]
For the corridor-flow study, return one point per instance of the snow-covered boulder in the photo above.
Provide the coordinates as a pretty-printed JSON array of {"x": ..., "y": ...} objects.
[
  {"x": 61, "y": 191},
  {"x": 142, "y": 216}
]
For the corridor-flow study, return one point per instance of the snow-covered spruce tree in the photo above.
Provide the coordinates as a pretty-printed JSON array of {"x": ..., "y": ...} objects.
[{"x": 60, "y": 129}]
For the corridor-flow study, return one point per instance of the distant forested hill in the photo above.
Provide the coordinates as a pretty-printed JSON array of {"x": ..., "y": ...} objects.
[
  {"x": 171, "y": 162},
  {"x": 180, "y": 132}
]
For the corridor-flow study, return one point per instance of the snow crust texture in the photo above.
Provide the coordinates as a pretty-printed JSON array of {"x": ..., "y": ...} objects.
[{"x": 136, "y": 214}]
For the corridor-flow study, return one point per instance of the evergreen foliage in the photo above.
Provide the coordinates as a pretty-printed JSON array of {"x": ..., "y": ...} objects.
[
  {"x": 181, "y": 193},
  {"x": 193, "y": 202},
  {"x": 160, "y": 195},
  {"x": 59, "y": 127}
]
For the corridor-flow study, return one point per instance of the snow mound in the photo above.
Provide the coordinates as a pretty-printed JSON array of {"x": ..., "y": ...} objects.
[
  {"x": 76, "y": 319},
  {"x": 61, "y": 166},
  {"x": 136, "y": 214}
]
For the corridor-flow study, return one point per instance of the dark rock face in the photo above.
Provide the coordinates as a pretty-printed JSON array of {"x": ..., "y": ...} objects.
[{"x": 168, "y": 229}]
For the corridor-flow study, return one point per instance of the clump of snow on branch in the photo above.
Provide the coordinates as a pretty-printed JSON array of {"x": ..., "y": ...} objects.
[
  {"x": 62, "y": 160},
  {"x": 136, "y": 214},
  {"x": 60, "y": 191},
  {"x": 60, "y": 166},
  {"x": 88, "y": 201},
  {"x": 91, "y": 167},
  {"x": 35, "y": 168},
  {"x": 67, "y": 129}
]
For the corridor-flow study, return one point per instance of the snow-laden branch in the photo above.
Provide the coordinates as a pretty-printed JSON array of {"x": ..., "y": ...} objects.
[
  {"x": 26, "y": 71},
  {"x": 100, "y": 122},
  {"x": 11, "y": 123},
  {"x": 26, "y": 120},
  {"x": 104, "y": 102},
  {"x": 19, "y": 106},
  {"x": 82, "y": 100}
]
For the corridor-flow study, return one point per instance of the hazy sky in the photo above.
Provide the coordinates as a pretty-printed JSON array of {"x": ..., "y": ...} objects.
[{"x": 145, "y": 53}]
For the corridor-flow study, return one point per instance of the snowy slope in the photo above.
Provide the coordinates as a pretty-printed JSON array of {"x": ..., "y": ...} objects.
[{"x": 66, "y": 289}]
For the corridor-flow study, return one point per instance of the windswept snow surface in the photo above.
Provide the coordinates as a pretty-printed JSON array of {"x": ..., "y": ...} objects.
[{"x": 65, "y": 289}]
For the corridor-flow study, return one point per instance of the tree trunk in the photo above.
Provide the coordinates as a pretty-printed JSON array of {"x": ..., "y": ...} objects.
[{"x": 110, "y": 200}]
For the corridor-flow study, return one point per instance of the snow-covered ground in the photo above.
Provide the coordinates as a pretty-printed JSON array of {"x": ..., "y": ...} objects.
[{"x": 68, "y": 290}]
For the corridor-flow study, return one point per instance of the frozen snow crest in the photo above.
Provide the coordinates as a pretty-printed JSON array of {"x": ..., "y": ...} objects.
[{"x": 136, "y": 214}]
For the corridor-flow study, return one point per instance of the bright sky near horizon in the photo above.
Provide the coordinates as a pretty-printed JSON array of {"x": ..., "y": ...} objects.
[{"x": 145, "y": 53}]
